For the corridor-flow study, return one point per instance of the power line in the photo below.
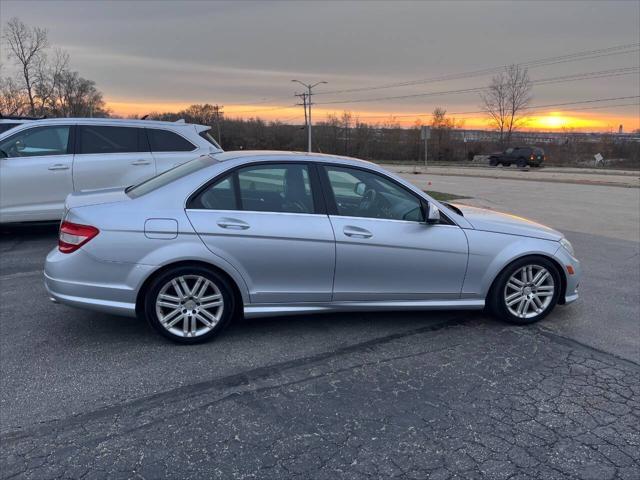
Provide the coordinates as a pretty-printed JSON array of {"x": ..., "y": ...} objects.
[
  {"x": 544, "y": 81},
  {"x": 578, "y": 56}
]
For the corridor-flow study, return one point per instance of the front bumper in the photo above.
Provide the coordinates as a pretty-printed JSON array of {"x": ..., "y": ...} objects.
[
  {"x": 80, "y": 280},
  {"x": 572, "y": 279}
]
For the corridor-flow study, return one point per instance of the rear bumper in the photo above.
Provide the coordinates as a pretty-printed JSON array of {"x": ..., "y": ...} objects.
[{"x": 80, "y": 280}]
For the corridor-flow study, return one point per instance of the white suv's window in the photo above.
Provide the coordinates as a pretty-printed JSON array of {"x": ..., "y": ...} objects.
[
  {"x": 166, "y": 141},
  {"x": 37, "y": 141},
  {"x": 108, "y": 139}
]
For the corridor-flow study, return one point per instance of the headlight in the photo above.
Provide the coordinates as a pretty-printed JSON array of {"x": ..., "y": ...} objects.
[{"x": 567, "y": 246}]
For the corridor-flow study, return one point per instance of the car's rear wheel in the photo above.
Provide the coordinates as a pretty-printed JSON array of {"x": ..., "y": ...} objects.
[
  {"x": 189, "y": 304},
  {"x": 526, "y": 291},
  {"x": 493, "y": 162}
]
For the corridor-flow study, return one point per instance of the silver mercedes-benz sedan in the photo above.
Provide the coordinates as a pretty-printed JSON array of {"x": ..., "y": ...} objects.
[{"x": 273, "y": 233}]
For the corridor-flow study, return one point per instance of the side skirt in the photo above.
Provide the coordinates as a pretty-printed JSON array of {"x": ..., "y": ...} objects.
[{"x": 272, "y": 309}]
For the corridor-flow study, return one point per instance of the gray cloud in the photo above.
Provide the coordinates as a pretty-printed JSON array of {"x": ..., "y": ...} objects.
[{"x": 243, "y": 51}]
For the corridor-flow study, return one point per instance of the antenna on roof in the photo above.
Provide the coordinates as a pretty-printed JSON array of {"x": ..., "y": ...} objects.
[
  {"x": 144, "y": 117},
  {"x": 180, "y": 121}
]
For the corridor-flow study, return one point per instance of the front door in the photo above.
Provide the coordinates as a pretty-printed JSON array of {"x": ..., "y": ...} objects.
[
  {"x": 35, "y": 173},
  {"x": 384, "y": 249},
  {"x": 266, "y": 221},
  {"x": 111, "y": 156}
]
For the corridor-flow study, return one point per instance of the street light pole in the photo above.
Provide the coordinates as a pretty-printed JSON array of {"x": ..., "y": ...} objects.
[{"x": 308, "y": 86}]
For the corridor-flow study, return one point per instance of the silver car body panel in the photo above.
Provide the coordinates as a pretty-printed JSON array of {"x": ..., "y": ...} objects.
[{"x": 292, "y": 263}]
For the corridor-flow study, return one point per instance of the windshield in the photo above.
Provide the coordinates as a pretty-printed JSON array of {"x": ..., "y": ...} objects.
[{"x": 169, "y": 176}]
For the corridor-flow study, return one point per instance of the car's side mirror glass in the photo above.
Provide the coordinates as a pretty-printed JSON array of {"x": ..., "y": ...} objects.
[{"x": 359, "y": 188}]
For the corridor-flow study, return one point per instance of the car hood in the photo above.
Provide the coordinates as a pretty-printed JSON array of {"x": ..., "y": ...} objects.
[
  {"x": 95, "y": 197},
  {"x": 492, "y": 221}
]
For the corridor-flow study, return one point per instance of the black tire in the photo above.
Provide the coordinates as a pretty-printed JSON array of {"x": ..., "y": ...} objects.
[
  {"x": 151, "y": 295},
  {"x": 493, "y": 162},
  {"x": 506, "y": 164},
  {"x": 522, "y": 162},
  {"x": 496, "y": 299}
]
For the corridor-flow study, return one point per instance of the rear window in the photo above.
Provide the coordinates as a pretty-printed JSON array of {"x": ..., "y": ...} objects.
[
  {"x": 169, "y": 176},
  {"x": 209, "y": 138},
  {"x": 166, "y": 141},
  {"x": 103, "y": 139}
]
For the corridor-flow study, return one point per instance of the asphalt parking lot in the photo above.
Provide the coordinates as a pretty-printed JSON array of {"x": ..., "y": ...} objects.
[{"x": 406, "y": 395}]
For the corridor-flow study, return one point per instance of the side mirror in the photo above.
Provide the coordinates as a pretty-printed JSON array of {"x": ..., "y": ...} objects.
[
  {"x": 359, "y": 188},
  {"x": 433, "y": 214}
]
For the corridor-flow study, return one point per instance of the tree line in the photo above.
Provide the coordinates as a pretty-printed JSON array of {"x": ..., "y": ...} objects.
[{"x": 42, "y": 82}]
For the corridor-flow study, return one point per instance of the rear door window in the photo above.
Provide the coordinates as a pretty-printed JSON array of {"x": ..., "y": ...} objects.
[
  {"x": 107, "y": 139},
  {"x": 278, "y": 188},
  {"x": 166, "y": 141}
]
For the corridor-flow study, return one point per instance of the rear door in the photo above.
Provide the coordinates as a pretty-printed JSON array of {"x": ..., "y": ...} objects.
[
  {"x": 268, "y": 222},
  {"x": 35, "y": 173},
  {"x": 111, "y": 156},
  {"x": 170, "y": 149}
]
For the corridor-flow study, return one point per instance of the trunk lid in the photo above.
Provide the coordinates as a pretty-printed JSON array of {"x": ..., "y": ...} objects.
[{"x": 95, "y": 197}]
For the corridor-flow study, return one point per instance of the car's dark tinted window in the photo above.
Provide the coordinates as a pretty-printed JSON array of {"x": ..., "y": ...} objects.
[
  {"x": 262, "y": 188},
  {"x": 6, "y": 126},
  {"x": 103, "y": 139},
  {"x": 166, "y": 141},
  {"x": 36, "y": 142}
]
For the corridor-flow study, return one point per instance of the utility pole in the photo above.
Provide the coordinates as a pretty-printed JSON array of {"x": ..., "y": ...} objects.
[
  {"x": 303, "y": 95},
  {"x": 309, "y": 103},
  {"x": 217, "y": 111}
]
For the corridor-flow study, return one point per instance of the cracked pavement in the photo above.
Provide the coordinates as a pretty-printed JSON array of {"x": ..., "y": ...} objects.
[
  {"x": 451, "y": 395},
  {"x": 459, "y": 399}
]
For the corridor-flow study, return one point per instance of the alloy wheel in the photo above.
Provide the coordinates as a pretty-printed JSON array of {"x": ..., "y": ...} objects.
[
  {"x": 529, "y": 291},
  {"x": 189, "y": 306}
]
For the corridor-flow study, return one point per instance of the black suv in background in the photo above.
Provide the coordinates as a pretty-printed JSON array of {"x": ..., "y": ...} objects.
[{"x": 521, "y": 156}]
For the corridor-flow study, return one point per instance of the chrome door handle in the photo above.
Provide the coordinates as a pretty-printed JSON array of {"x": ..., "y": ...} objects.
[
  {"x": 141, "y": 162},
  {"x": 59, "y": 166},
  {"x": 356, "y": 232},
  {"x": 232, "y": 224}
]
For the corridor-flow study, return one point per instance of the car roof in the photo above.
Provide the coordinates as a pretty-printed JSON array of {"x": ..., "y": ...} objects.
[
  {"x": 243, "y": 156},
  {"x": 127, "y": 121}
]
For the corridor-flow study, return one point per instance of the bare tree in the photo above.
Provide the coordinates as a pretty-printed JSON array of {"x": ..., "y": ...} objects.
[
  {"x": 13, "y": 101},
  {"x": 27, "y": 46},
  {"x": 507, "y": 99}
]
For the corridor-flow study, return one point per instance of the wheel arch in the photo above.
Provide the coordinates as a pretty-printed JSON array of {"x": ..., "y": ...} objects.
[
  {"x": 552, "y": 259},
  {"x": 237, "y": 293}
]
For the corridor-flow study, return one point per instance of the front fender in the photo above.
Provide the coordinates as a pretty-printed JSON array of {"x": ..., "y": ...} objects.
[{"x": 490, "y": 252}]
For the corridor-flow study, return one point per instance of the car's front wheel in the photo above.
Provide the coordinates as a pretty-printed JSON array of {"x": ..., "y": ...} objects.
[
  {"x": 526, "y": 291},
  {"x": 189, "y": 304}
]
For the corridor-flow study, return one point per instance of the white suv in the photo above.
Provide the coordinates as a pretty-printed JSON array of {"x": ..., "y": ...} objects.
[{"x": 42, "y": 161}]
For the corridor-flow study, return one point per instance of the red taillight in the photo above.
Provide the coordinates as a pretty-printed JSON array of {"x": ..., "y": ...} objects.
[
  {"x": 73, "y": 236},
  {"x": 533, "y": 157}
]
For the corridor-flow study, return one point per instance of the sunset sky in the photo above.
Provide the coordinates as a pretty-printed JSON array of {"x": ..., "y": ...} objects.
[{"x": 162, "y": 56}]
